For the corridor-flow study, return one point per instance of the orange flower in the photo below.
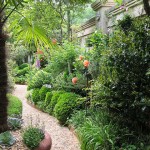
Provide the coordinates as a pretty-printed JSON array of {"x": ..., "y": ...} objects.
[
  {"x": 86, "y": 63},
  {"x": 74, "y": 80}
]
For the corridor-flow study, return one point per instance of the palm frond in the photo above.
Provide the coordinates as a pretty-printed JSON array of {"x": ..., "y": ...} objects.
[
  {"x": 14, "y": 2},
  {"x": 28, "y": 32}
]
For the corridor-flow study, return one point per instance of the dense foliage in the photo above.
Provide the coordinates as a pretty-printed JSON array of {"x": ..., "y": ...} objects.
[
  {"x": 37, "y": 79},
  {"x": 66, "y": 104},
  {"x": 54, "y": 101},
  {"x": 35, "y": 95},
  {"x": 123, "y": 85}
]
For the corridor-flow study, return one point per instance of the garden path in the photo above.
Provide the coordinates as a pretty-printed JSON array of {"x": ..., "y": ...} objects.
[{"x": 62, "y": 137}]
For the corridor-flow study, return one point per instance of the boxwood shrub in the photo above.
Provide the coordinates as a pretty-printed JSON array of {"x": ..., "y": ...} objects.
[
  {"x": 43, "y": 91},
  {"x": 23, "y": 71},
  {"x": 14, "y": 106},
  {"x": 48, "y": 98},
  {"x": 35, "y": 95},
  {"x": 67, "y": 102},
  {"x": 54, "y": 100},
  {"x": 24, "y": 65},
  {"x": 39, "y": 79}
]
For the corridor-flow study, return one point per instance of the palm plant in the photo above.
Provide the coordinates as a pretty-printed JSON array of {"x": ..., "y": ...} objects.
[
  {"x": 31, "y": 33},
  {"x": 3, "y": 69}
]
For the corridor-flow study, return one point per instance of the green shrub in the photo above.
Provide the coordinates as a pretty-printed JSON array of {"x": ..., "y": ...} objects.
[
  {"x": 22, "y": 66},
  {"x": 43, "y": 91},
  {"x": 77, "y": 118},
  {"x": 95, "y": 129},
  {"x": 7, "y": 139},
  {"x": 14, "y": 106},
  {"x": 54, "y": 100},
  {"x": 123, "y": 85},
  {"x": 66, "y": 104},
  {"x": 41, "y": 106},
  {"x": 38, "y": 79},
  {"x": 22, "y": 72},
  {"x": 48, "y": 98},
  {"x": 36, "y": 95},
  {"x": 29, "y": 95},
  {"x": 32, "y": 137},
  {"x": 20, "y": 80}
]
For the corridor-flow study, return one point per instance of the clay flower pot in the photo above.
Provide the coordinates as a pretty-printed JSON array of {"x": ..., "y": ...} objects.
[{"x": 46, "y": 143}]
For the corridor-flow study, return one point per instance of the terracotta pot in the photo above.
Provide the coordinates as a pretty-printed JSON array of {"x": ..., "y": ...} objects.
[{"x": 46, "y": 143}]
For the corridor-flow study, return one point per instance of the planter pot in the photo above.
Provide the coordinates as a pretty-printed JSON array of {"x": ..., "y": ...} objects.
[{"x": 46, "y": 143}]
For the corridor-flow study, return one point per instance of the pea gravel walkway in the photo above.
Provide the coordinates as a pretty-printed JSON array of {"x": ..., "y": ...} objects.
[{"x": 62, "y": 137}]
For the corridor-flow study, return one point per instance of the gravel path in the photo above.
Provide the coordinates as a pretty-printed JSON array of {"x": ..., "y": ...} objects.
[{"x": 62, "y": 137}]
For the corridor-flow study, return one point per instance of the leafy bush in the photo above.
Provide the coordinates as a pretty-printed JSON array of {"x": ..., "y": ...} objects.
[
  {"x": 66, "y": 104},
  {"x": 20, "y": 80},
  {"x": 38, "y": 79},
  {"x": 48, "y": 98},
  {"x": 95, "y": 129},
  {"x": 14, "y": 106},
  {"x": 43, "y": 91},
  {"x": 123, "y": 85},
  {"x": 6, "y": 139},
  {"x": 36, "y": 95},
  {"x": 23, "y": 71},
  {"x": 22, "y": 66},
  {"x": 32, "y": 137},
  {"x": 77, "y": 118},
  {"x": 54, "y": 100}
]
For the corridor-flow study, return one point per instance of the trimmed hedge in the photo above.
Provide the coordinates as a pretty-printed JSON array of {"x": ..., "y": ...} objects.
[
  {"x": 14, "y": 105},
  {"x": 48, "y": 98},
  {"x": 39, "y": 79},
  {"x": 23, "y": 71},
  {"x": 54, "y": 100},
  {"x": 67, "y": 102},
  {"x": 35, "y": 95},
  {"x": 43, "y": 91},
  {"x": 22, "y": 66}
]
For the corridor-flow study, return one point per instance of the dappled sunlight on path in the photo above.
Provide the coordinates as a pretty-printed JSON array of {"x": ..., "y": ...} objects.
[{"x": 62, "y": 138}]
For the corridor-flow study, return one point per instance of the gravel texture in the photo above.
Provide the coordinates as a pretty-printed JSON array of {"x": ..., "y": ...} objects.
[{"x": 62, "y": 137}]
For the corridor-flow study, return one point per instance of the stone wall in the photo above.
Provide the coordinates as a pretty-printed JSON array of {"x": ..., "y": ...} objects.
[{"x": 107, "y": 15}]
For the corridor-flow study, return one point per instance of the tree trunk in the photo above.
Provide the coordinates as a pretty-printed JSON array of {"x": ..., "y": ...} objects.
[
  {"x": 68, "y": 23},
  {"x": 146, "y": 7},
  {"x": 3, "y": 79}
]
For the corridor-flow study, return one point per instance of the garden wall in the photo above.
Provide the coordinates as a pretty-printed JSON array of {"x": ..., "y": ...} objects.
[{"x": 107, "y": 16}]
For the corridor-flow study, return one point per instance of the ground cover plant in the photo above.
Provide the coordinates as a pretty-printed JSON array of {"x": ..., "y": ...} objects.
[
  {"x": 14, "y": 106},
  {"x": 97, "y": 129}
]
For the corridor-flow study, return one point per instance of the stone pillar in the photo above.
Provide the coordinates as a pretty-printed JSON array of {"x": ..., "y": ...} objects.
[{"x": 101, "y": 17}]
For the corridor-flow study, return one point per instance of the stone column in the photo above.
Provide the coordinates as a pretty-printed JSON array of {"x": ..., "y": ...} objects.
[{"x": 101, "y": 17}]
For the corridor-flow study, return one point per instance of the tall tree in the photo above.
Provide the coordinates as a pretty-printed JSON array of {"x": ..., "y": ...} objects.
[
  {"x": 3, "y": 69},
  {"x": 30, "y": 32}
]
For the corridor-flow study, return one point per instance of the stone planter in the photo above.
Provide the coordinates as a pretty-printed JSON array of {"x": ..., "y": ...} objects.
[{"x": 46, "y": 143}]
